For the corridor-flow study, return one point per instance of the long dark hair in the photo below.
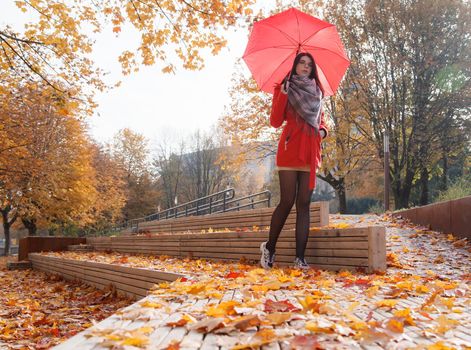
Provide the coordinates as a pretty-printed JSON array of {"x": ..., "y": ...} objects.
[{"x": 312, "y": 75}]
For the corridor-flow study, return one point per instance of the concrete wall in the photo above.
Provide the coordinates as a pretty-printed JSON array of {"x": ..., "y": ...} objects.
[{"x": 449, "y": 217}]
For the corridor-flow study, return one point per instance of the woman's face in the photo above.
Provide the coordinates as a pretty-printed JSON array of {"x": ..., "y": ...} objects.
[{"x": 304, "y": 66}]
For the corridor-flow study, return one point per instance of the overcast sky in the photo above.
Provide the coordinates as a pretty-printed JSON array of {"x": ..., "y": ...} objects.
[{"x": 151, "y": 102}]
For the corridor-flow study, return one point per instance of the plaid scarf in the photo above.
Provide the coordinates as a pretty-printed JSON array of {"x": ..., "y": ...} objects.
[{"x": 306, "y": 99}]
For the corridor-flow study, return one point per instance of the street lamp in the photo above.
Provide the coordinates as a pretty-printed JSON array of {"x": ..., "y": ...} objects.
[{"x": 386, "y": 170}]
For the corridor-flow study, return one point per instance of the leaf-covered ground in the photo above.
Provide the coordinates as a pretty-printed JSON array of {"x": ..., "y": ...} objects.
[
  {"x": 421, "y": 302},
  {"x": 38, "y": 311}
]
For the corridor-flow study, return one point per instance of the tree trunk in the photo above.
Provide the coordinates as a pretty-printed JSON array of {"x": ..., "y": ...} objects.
[
  {"x": 445, "y": 172},
  {"x": 6, "y": 233},
  {"x": 6, "y": 228},
  {"x": 342, "y": 197},
  {"x": 423, "y": 186},
  {"x": 30, "y": 224},
  {"x": 339, "y": 185}
]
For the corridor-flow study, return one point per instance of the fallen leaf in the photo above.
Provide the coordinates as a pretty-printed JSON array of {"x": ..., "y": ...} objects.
[
  {"x": 208, "y": 325},
  {"x": 305, "y": 342},
  {"x": 279, "y": 306},
  {"x": 278, "y": 318}
]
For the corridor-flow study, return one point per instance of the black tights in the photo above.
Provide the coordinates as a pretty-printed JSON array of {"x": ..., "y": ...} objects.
[{"x": 294, "y": 185}]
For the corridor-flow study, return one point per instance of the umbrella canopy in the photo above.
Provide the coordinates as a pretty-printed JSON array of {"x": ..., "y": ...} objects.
[{"x": 276, "y": 40}]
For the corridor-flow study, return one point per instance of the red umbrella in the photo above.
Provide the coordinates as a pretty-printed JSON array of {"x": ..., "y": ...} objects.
[{"x": 276, "y": 40}]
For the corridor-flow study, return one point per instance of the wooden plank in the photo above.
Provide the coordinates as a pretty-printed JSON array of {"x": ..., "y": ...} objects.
[
  {"x": 95, "y": 283},
  {"x": 279, "y": 251},
  {"x": 315, "y": 216},
  {"x": 246, "y": 218},
  {"x": 377, "y": 249},
  {"x": 144, "y": 272},
  {"x": 101, "y": 281},
  {"x": 316, "y": 244}
]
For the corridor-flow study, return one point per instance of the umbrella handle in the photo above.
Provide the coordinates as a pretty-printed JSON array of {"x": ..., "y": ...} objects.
[{"x": 291, "y": 70}]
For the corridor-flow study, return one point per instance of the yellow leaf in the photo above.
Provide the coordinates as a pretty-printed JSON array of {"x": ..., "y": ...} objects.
[
  {"x": 136, "y": 341},
  {"x": 422, "y": 289},
  {"x": 324, "y": 327},
  {"x": 225, "y": 308},
  {"x": 448, "y": 302},
  {"x": 196, "y": 288},
  {"x": 406, "y": 285},
  {"x": 151, "y": 304},
  {"x": 266, "y": 334},
  {"x": 278, "y": 318},
  {"x": 439, "y": 346},
  {"x": 395, "y": 325},
  {"x": 405, "y": 314},
  {"x": 358, "y": 325},
  {"x": 260, "y": 288},
  {"x": 445, "y": 324},
  {"x": 372, "y": 291},
  {"x": 386, "y": 303}
]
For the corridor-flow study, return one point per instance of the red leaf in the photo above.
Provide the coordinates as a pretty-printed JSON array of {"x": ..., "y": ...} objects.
[
  {"x": 55, "y": 332},
  {"x": 361, "y": 282},
  {"x": 279, "y": 306},
  {"x": 305, "y": 342},
  {"x": 233, "y": 274},
  {"x": 370, "y": 316}
]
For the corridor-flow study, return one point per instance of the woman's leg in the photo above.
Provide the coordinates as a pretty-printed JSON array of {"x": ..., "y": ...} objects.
[
  {"x": 288, "y": 180},
  {"x": 303, "y": 201}
]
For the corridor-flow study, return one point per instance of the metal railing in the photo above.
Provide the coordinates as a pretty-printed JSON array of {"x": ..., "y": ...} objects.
[
  {"x": 200, "y": 206},
  {"x": 219, "y": 202}
]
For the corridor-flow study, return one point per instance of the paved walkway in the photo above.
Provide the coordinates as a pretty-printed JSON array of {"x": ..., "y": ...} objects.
[{"x": 422, "y": 302}]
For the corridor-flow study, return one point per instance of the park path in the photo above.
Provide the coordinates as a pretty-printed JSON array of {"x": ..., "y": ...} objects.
[{"x": 421, "y": 302}]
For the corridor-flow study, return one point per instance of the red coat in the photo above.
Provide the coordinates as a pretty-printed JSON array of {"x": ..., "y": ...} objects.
[{"x": 299, "y": 144}]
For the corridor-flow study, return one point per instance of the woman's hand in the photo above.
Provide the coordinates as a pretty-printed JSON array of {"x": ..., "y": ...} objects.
[{"x": 285, "y": 87}]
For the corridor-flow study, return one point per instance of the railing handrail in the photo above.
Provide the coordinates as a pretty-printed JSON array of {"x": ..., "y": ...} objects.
[
  {"x": 225, "y": 192},
  {"x": 226, "y": 202},
  {"x": 207, "y": 206}
]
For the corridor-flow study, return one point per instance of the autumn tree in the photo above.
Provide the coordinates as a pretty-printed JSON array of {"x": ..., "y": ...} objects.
[
  {"x": 130, "y": 150},
  {"x": 411, "y": 75},
  {"x": 110, "y": 184},
  {"x": 45, "y": 161},
  {"x": 58, "y": 42}
]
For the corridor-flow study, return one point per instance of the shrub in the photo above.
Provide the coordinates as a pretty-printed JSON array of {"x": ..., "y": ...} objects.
[
  {"x": 360, "y": 205},
  {"x": 458, "y": 189}
]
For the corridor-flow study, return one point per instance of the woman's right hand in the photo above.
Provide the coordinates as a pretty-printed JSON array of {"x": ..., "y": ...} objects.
[{"x": 285, "y": 87}]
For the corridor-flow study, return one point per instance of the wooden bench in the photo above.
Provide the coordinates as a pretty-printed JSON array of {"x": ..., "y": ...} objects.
[
  {"x": 132, "y": 281},
  {"x": 331, "y": 249},
  {"x": 233, "y": 220}
]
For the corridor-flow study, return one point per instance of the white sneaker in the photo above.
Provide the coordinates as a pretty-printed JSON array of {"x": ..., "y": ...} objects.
[
  {"x": 301, "y": 264},
  {"x": 266, "y": 260}
]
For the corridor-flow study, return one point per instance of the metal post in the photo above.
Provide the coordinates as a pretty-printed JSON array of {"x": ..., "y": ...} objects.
[
  {"x": 386, "y": 171},
  {"x": 210, "y": 204},
  {"x": 224, "y": 203}
]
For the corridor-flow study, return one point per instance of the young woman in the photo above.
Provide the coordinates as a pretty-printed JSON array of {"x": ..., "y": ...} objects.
[{"x": 298, "y": 100}]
